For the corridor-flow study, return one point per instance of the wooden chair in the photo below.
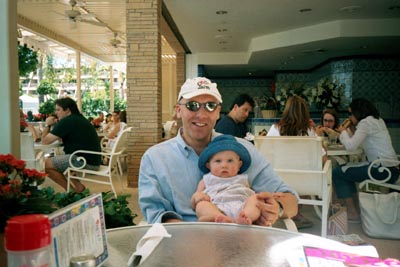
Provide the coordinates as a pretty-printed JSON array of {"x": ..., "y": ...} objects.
[
  {"x": 109, "y": 171},
  {"x": 298, "y": 161}
]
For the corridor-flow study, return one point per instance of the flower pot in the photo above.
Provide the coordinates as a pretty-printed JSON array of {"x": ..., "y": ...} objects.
[{"x": 267, "y": 114}]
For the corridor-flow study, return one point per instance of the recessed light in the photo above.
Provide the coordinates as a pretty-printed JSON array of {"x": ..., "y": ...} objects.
[
  {"x": 221, "y": 12},
  {"x": 305, "y": 10},
  {"x": 350, "y": 9}
]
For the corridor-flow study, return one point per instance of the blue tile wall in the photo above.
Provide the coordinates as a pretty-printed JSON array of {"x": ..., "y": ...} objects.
[{"x": 377, "y": 79}]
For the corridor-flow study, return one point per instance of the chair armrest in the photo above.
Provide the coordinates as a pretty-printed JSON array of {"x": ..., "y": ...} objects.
[
  {"x": 381, "y": 169},
  {"x": 81, "y": 158}
]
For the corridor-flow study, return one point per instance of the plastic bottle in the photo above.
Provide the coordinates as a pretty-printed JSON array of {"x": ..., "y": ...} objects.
[{"x": 27, "y": 241}]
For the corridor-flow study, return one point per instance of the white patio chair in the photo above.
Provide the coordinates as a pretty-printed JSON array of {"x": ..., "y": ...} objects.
[
  {"x": 109, "y": 171},
  {"x": 298, "y": 161},
  {"x": 373, "y": 181},
  {"x": 107, "y": 144}
]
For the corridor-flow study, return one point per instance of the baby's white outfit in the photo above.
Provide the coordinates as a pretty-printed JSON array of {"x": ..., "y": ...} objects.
[{"x": 229, "y": 194}]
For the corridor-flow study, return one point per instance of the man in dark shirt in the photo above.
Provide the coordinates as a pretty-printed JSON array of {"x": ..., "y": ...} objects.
[
  {"x": 235, "y": 122},
  {"x": 76, "y": 133}
]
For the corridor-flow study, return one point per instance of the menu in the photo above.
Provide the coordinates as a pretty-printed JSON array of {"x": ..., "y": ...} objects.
[
  {"x": 78, "y": 229},
  {"x": 317, "y": 257}
]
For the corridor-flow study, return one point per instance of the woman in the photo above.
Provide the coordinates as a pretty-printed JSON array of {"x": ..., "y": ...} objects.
[
  {"x": 373, "y": 136},
  {"x": 114, "y": 127},
  {"x": 295, "y": 121},
  {"x": 329, "y": 122}
]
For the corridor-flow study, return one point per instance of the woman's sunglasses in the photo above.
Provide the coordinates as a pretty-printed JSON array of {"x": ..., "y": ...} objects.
[{"x": 195, "y": 106}]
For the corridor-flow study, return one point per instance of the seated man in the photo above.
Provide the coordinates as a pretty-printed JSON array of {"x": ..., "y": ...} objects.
[
  {"x": 76, "y": 133},
  {"x": 235, "y": 122},
  {"x": 169, "y": 172}
]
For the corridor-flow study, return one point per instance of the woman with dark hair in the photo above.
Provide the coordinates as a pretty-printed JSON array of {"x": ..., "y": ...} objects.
[{"x": 373, "y": 136}]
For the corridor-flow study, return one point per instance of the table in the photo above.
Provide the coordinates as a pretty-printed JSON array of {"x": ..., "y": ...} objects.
[
  {"x": 53, "y": 146},
  {"x": 340, "y": 150},
  {"x": 216, "y": 244}
]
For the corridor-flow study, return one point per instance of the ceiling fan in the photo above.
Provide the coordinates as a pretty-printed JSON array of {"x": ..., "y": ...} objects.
[
  {"x": 116, "y": 43},
  {"x": 75, "y": 15}
]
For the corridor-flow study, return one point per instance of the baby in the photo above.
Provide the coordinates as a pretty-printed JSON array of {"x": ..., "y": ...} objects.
[{"x": 224, "y": 195}]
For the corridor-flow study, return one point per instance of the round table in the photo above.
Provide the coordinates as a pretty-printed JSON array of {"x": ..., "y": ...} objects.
[{"x": 215, "y": 244}]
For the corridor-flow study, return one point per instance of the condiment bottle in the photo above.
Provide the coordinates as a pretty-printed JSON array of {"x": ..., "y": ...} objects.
[{"x": 27, "y": 241}]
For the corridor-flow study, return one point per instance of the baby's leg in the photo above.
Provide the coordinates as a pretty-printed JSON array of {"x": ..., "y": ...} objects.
[
  {"x": 250, "y": 212},
  {"x": 209, "y": 212}
]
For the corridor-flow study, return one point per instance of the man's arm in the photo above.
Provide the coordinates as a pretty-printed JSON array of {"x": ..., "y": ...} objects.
[{"x": 47, "y": 137}]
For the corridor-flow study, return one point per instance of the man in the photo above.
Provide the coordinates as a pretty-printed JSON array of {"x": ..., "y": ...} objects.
[
  {"x": 234, "y": 123},
  {"x": 76, "y": 133},
  {"x": 169, "y": 171}
]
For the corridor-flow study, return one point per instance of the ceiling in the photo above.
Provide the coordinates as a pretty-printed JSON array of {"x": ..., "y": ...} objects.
[{"x": 253, "y": 37}]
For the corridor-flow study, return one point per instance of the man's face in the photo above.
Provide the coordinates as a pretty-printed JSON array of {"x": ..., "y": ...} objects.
[
  {"x": 62, "y": 113},
  {"x": 242, "y": 112},
  {"x": 197, "y": 125}
]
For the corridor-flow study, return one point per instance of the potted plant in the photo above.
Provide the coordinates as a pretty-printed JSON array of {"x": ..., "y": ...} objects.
[{"x": 268, "y": 106}]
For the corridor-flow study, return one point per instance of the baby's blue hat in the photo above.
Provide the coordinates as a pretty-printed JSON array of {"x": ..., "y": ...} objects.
[{"x": 223, "y": 143}]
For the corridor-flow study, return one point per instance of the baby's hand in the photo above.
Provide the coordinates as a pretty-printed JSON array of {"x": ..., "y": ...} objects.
[{"x": 197, "y": 197}]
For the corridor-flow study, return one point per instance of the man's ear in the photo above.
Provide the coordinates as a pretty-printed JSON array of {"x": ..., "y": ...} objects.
[{"x": 178, "y": 111}]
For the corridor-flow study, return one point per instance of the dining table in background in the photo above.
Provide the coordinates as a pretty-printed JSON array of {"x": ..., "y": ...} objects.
[
  {"x": 217, "y": 244},
  {"x": 55, "y": 147},
  {"x": 342, "y": 156}
]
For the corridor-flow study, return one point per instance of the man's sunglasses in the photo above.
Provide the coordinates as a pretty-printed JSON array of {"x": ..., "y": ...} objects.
[{"x": 195, "y": 106}]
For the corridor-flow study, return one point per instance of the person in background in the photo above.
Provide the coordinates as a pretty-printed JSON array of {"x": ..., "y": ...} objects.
[
  {"x": 235, "y": 122},
  {"x": 97, "y": 122},
  {"x": 112, "y": 129},
  {"x": 295, "y": 121},
  {"x": 166, "y": 184},
  {"x": 329, "y": 123},
  {"x": 108, "y": 118},
  {"x": 76, "y": 133},
  {"x": 35, "y": 133},
  {"x": 224, "y": 194},
  {"x": 373, "y": 136}
]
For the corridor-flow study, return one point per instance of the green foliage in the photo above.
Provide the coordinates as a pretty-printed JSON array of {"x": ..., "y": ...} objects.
[
  {"x": 46, "y": 87},
  {"x": 47, "y": 107},
  {"x": 116, "y": 210},
  {"x": 49, "y": 71},
  {"x": 93, "y": 102},
  {"x": 27, "y": 60}
]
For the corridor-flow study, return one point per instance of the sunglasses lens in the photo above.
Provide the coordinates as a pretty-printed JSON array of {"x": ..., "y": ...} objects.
[
  {"x": 211, "y": 106},
  {"x": 193, "y": 105}
]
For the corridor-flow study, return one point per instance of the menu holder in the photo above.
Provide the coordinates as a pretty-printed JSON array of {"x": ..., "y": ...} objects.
[{"x": 78, "y": 229}]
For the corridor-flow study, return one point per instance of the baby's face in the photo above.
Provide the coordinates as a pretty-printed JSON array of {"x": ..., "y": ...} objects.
[{"x": 224, "y": 164}]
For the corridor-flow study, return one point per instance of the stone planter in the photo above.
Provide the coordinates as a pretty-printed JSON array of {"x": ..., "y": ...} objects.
[{"x": 267, "y": 114}]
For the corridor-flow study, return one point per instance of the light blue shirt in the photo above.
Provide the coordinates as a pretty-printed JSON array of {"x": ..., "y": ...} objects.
[{"x": 169, "y": 176}]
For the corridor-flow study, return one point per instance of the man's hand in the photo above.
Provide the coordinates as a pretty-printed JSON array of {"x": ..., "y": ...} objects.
[
  {"x": 199, "y": 196},
  {"x": 269, "y": 208}
]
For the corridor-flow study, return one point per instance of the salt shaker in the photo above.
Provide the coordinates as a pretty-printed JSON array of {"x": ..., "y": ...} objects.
[
  {"x": 27, "y": 241},
  {"x": 86, "y": 260}
]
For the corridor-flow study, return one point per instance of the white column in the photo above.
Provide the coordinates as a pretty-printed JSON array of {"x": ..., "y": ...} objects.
[
  {"x": 111, "y": 89},
  {"x": 9, "y": 110},
  {"x": 78, "y": 80}
]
